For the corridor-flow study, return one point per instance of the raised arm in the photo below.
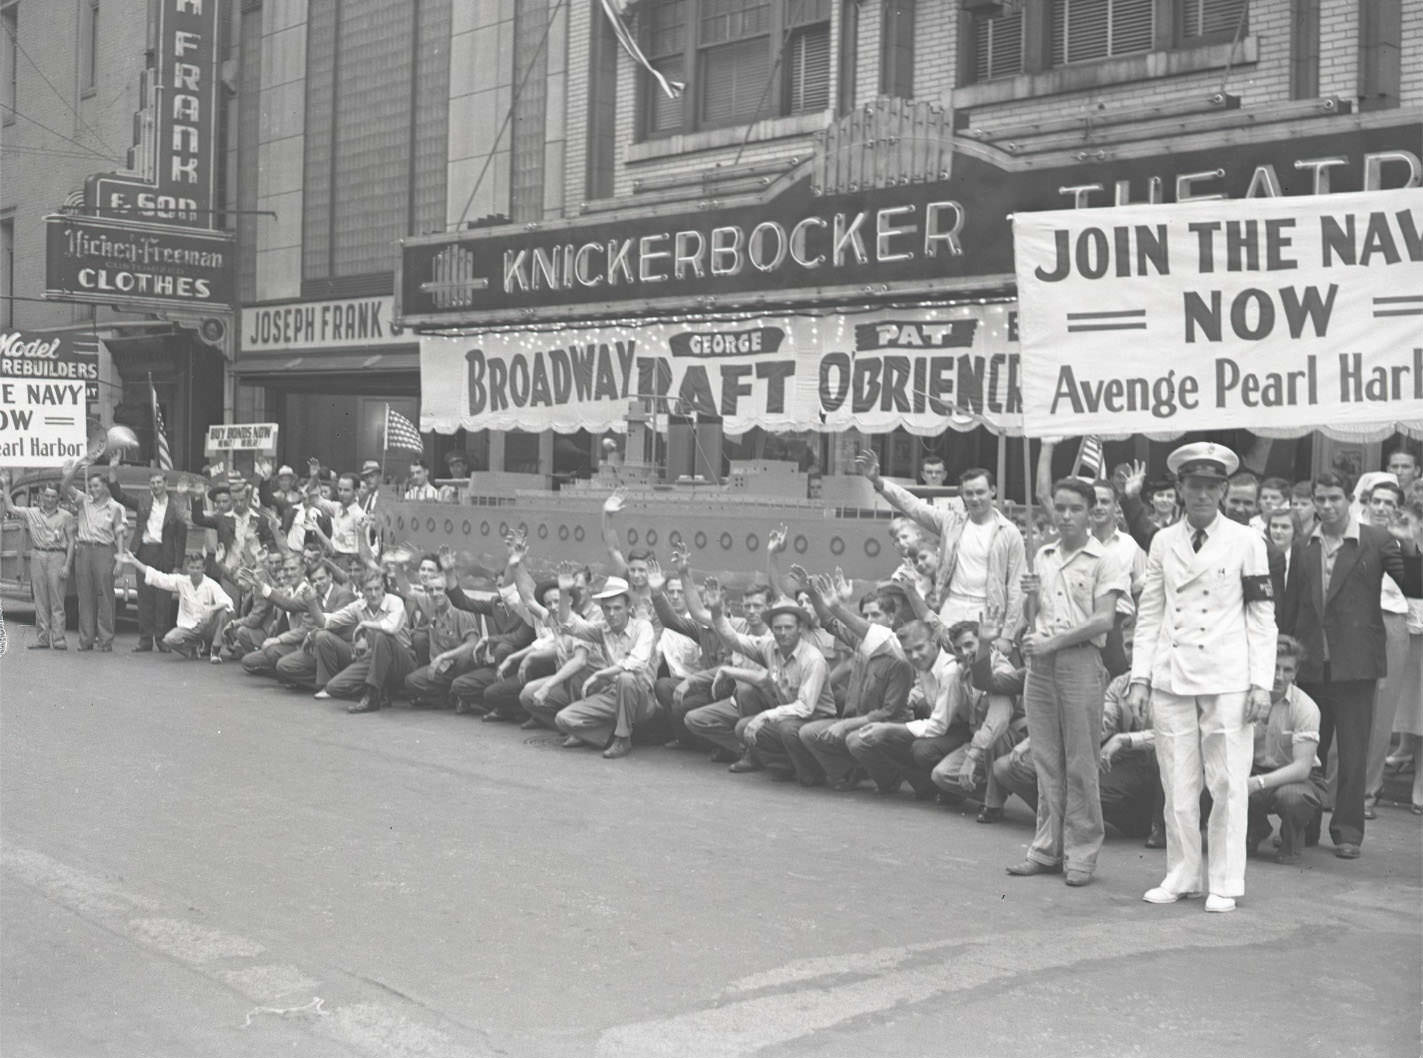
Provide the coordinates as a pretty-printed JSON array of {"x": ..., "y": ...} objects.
[
  {"x": 925, "y": 514},
  {"x": 617, "y": 562},
  {"x": 775, "y": 544}
]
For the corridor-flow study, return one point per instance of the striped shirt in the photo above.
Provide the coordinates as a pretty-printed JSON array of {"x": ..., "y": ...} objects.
[{"x": 48, "y": 532}]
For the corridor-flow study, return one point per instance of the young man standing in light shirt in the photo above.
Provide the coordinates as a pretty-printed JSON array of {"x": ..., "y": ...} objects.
[
  {"x": 1283, "y": 780},
  {"x": 51, "y": 530},
  {"x": 617, "y": 697},
  {"x": 1205, "y": 658},
  {"x": 377, "y": 658},
  {"x": 1075, "y": 589},
  {"x": 203, "y": 607},
  {"x": 981, "y": 554},
  {"x": 101, "y": 530},
  {"x": 347, "y": 517}
]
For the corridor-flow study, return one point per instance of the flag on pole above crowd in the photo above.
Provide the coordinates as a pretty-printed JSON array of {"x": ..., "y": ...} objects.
[
  {"x": 163, "y": 455},
  {"x": 1089, "y": 458},
  {"x": 400, "y": 432},
  {"x": 616, "y": 10}
]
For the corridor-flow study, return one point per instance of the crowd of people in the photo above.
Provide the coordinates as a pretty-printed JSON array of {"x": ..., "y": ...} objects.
[{"x": 1175, "y": 656}]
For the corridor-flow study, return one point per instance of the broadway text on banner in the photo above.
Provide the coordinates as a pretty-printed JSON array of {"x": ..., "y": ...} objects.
[
  {"x": 920, "y": 368},
  {"x": 1301, "y": 312}
]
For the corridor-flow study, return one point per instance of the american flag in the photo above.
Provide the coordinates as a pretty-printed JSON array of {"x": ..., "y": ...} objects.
[
  {"x": 616, "y": 10},
  {"x": 1089, "y": 457},
  {"x": 160, "y": 431},
  {"x": 400, "y": 432}
]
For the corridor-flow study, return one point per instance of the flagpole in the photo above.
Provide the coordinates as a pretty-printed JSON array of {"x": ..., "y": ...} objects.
[
  {"x": 153, "y": 417},
  {"x": 385, "y": 443}
]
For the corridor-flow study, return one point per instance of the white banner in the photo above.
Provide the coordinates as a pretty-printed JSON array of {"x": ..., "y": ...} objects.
[
  {"x": 337, "y": 324},
  {"x": 242, "y": 437},
  {"x": 1303, "y": 312},
  {"x": 924, "y": 369},
  {"x": 41, "y": 423}
]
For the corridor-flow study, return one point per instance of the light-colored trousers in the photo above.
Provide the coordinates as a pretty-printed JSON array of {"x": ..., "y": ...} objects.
[
  {"x": 48, "y": 586},
  {"x": 1204, "y": 740}
]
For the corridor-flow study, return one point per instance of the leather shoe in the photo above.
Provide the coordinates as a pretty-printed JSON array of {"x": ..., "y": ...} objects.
[
  {"x": 1077, "y": 879},
  {"x": 619, "y": 747},
  {"x": 989, "y": 815},
  {"x": 572, "y": 742},
  {"x": 1157, "y": 838},
  {"x": 1371, "y": 808},
  {"x": 1028, "y": 868},
  {"x": 1347, "y": 851},
  {"x": 1220, "y": 904},
  {"x": 369, "y": 703},
  {"x": 744, "y": 764}
]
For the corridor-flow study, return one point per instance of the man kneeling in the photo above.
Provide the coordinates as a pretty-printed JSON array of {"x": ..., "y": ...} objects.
[
  {"x": 203, "y": 607},
  {"x": 1283, "y": 781},
  {"x": 617, "y": 697}
]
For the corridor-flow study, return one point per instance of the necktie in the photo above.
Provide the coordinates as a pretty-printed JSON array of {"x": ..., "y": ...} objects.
[{"x": 1198, "y": 538}]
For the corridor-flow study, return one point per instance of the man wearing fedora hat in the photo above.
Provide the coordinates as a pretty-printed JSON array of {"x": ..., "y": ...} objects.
[
  {"x": 370, "y": 486},
  {"x": 617, "y": 697},
  {"x": 1205, "y": 658},
  {"x": 801, "y": 678}
]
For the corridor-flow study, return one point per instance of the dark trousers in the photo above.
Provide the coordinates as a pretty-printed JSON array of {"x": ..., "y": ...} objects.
[
  {"x": 298, "y": 669},
  {"x": 1131, "y": 793},
  {"x": 264, "y": 660},
  {"x": 1346, "y": 708},
  {"x": 1298, "y": 804},
  {"x": 1114, "y": 655},
  {"x": 696, "y": 691},
  {"x": 502, "y": 696},
  {"x": 381, "y": 669},
  {"x": 425, "y": 686},
  {"x": 155, "y": 606},
  {"x": 468, "y": 690}
]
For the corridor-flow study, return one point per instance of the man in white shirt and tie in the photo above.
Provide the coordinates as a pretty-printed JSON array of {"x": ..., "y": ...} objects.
[{"x": 1205, "y": 657}]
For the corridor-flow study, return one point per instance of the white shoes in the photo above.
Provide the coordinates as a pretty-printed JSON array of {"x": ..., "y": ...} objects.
[
  {"x": 322, "y": 695},
  {"x": 1162, "y": 895},
  {"x": 1220, "y": 904}
]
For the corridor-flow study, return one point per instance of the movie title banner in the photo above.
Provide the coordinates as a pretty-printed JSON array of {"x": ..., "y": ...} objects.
[
  {"x": 42, "y": 423},
  {"x": 922, "y": 369},
  {"x": 60, "y": 356},
  {"x": 138, "y": 266},
  {"x": 1217, "y": 315}
]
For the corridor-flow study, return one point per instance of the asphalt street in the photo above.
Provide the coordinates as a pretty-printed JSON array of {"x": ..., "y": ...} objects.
[{"x": 195, "y": 863}]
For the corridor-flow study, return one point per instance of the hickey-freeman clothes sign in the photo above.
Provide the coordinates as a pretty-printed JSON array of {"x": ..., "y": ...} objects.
[
  {"x": 795, "y": 246},
  {"x": 922, "y": 369},
  {"x": 1296, "y": 313},
  {"x": 172, "y": 171},
  {"x": 138, "y": 265}
]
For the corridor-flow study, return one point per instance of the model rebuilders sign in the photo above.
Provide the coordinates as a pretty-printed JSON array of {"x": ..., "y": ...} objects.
[
  {"x": 1286, "y": 313},
  {"x": 922, "y": 369},
  {"x": 41, "y": 423}
]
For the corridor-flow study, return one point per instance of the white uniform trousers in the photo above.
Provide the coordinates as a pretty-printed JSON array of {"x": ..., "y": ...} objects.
[{"x": 1204, "y": 739}]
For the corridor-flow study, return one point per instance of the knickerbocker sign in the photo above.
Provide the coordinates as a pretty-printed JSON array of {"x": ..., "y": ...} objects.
[{"x": 923, "y": 237}]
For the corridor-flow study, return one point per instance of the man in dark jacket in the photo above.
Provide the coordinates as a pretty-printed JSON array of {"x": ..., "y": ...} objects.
[
  {"x": 161, "y": 535},
  {"x": 1331, "y": 605},
  {"x": 506, "y": 632}
]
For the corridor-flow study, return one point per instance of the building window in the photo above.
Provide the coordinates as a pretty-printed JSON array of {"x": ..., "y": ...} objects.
[
  {"x": 89, "y": 46},
  {"x": 897, "y": 49},
  {"x": 1212, "y": 21},
  {"x": 1087, "y": 30},
  {"x": 9, "y": 76},
  {"x": 527, "y": 124},
  {"x": 732, "y": 48},
  {"x": 997, "y": 46}
]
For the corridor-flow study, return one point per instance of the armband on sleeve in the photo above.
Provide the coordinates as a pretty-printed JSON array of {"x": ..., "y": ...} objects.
[{"x": 1257, "y": 588}]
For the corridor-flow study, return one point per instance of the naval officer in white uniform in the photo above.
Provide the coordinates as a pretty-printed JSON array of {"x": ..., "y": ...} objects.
[{"x": 1204, "y": 653}]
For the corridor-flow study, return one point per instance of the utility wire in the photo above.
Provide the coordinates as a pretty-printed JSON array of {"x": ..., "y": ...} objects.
[
  {"x": 44, "y": 150},
  {"x": 56, "y": 132},
  {"x": 508, "y": 116},
  {"x": 15, "y": 38}
]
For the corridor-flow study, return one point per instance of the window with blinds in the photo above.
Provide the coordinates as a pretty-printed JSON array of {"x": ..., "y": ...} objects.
[
  {"x": 726, "y": 51},
  {"x": 997, "y": 46},
  {"x": 1216, "y": 19},
  {"x": 808, "y": 69},
  {"x": 1086, "y": 30}
]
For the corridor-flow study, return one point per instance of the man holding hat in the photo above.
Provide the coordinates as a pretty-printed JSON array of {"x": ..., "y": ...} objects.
[
  {"x": 1205, "y": 657},
  {"x": 801, "y": 678},
  {"x": 618, "y": 696}
]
